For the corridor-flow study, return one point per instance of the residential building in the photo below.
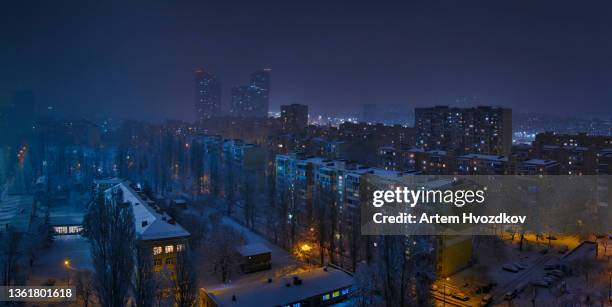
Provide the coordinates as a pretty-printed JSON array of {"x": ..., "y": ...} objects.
[
  {"x": 294, "y": 117},
  {"x": 317, "y": 287},
  {"x": 208, "y": 95},
  {"x": 477, "y": 164},
  {"x": 480, "y": 130},
  {"x": 156, "y": 232}
]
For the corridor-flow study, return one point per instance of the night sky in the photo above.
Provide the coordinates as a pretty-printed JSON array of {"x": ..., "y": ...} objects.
[{"x": 136, "y": 59}]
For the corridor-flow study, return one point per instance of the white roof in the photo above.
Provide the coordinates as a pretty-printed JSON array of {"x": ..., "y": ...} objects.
[
  {"x": 157, "y": 222},
  {"x": 16, "y": 210},
  {"x": 485, "y": 157},
  {"x": 540, "y": 162},
  {"x": 261, "y": 293},
  {"x": 253, "y": 249}
]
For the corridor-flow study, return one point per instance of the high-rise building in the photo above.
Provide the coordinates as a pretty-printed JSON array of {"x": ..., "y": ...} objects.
[
  {"x": 208, "y": 95},
  {"x": 481, "y": 130},
  {"x": 261, "y": 80},
  {"x": 294, "y": 117},
  {"x": 252, "y": 100},
  {"x": 248, "y": 101}
]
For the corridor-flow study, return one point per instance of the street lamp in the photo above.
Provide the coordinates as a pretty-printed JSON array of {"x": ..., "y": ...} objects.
[
  {"x": 67, "y": 266},
  {"x": 305, "y": 248},
  {"x": 447, "y": 280}
]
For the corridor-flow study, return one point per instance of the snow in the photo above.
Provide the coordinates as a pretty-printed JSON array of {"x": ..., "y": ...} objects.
[
  {"x": 151, "y": 224},
  {"x": 315, "y": 282},
  {"x": 253, "y": 249},
  {"x": 540, "y": 162},
  {"x": 50, "y": 262},
  {"x": 15, "y": 210},
  {"x": 484, "y": 157}
]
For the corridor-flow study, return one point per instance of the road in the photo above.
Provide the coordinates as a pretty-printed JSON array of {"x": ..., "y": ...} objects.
[{"x": 524, "y": 276}]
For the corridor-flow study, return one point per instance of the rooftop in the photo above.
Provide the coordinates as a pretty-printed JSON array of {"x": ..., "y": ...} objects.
[
  {"x": 276, "y": 293},
  {"x": 16, "y": 211},
  {"x": 540, "y": 162},
  {"x": 253, "y": 249},
  {"x": 485, "y": 157},
  {"x": 151, "y": 223}
]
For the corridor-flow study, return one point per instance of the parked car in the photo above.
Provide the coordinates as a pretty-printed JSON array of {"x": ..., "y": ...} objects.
[
  {"x": 557, "y": 273},
  {"x": 510, "y": 295},
  {"x": 550, "y": 278},
  {"x": 521, "y": 287},
  {"x": 519, "y": 265},
  {"x": 461, "y": 296},
  {"x": 434, "y": 288},
  {"x": 510, "y": 268},
  {"x": 548, "y": 267},
  {"x": 486, "y": 300},
  {"x": 540, "y": 283}
]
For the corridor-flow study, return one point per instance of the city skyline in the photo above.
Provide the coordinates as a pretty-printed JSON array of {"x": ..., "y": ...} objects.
[{"x": 540, "y": 57}]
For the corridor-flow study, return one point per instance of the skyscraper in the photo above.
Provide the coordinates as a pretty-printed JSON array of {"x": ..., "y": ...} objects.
[
  {"x": 261, "y": 80},
  {"x": 208, "y": 95},
  {"x": 252, "y": 100},
  {"x": 479, "y": 130},
  {"x": 294, "y": 117},
  {"x": 248, "y": 101}
]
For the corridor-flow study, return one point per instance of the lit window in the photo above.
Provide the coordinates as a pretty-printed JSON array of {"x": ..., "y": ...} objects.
[
  {"x": 180, "y": 247},
  {"x": 60, "y": 229},
  {"x": 336, "y": 294},
  {"x": 325, "y": 297},
  {"x": 169, "y": 249},
  {"x": 157, "y": 262},
  {"x": 157, "y": 250},
  {"x": 169, "y": 260},
  {"x": 75, "y": 229},
  {"x": 345, "y": 291}
]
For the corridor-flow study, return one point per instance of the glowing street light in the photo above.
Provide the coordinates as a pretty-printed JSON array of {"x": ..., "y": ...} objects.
[{"x": 305, "y": 248}]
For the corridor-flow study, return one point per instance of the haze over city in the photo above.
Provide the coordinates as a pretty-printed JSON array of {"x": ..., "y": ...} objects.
[
  {"x": 129, "y": 60},
  {"x": 305, "y": 154}
]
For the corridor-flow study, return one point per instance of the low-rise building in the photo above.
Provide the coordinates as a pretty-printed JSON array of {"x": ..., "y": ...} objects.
[
  {"x": 539, "y": 167},
  {"x": 477, "y": 164},
  {"x": 156, "y": 231},
  {"x": 318, "y": 287}
]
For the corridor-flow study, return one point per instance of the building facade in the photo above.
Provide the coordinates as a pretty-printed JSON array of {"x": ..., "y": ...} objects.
[
  {"x": 208, "y": 95},
  {"x": 481, "y": 130}
]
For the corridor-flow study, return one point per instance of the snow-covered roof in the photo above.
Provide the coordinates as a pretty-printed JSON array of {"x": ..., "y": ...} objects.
[
  {"x": 262, "y": 293},
  {"x": 437, "y": 152},
  {"x": 107, "y": 181},
  {"x": 484, "y": 157},
  {"x": 16, "y": 211},
  {"x": 151, "y": 224},
  {"x": 253, "y": 249},
  {"x": 540, "y": 162}
]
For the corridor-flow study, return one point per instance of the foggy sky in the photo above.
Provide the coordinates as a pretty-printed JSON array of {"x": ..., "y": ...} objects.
[{"x": 131, "y": 59}]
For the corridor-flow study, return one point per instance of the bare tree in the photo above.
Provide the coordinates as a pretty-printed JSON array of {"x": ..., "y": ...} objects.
[
  {"x": 185, "y": 281},
  {"x": 109, "y": 226},
  {"x": 222, "y": 250},
  {"x": 366, "y": 285},
  {"x": 145, "y": 282},
  {"x": 10, "y": 255},
  {"x": 84, "y": 287}
]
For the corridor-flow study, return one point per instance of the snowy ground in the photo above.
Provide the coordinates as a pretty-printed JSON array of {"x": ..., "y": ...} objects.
[
  {"x": 490, "y": 262},
  {"x": 50, "y": 262},
  {"x": 282, "y": 261}
]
